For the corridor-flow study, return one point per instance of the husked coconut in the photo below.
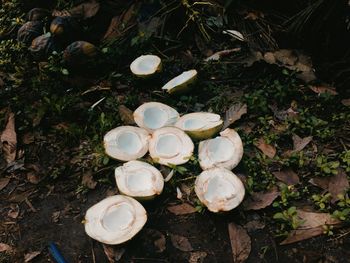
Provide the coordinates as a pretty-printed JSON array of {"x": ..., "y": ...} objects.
[
  {"x": 219, "y": 189},
  {"x": 139, "y": 180},
  {"x": 146, "y": 65},
  {"x": 224, "y": 151},
  {"x": 155, "y": 115},
  {"x": 126, "y": 143},
  {"x": 181, "y": 83},
  {"x": 170, "y": 146},
  {"x": 200, "y": 125},
  {"x": 115, "y": 220}
]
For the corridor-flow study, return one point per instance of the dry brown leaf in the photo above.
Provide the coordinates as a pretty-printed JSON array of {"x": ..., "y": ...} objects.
[
  {"x": 4, "y": 182},
  {"x": 29, "y": 256},
  {"x": 302, "y": 234},
  {"x": 240, "y": 243},
  {"x": 85, "y": 10},
  {"x": 300, "y": 143},
  {"x": 9, "y": 139},
  {"x": 181, "y": 243},
  {"x": 33, "y": 178},
  {"x": 160, "y": 244},
  {"x": 324, "y": 89},
  {"x": 346, "y": 102},
  {"x": 126, "y": 115},
  {"x": 335, "y": 185},
  {"x": 28, "y": 138},
  {"x": 267, "y": 149},
  {"x": 234, "y": 113},
  {"x": 182, "y": 209},
  {"x": 288, "y": 177},
  {"x": 5, "y": 248},
  {"x": 88, "y": 180},
  {"x": 120, "y": 24},
  {"x": 254, "y": 225},
  {"x": 197, "y": 257},
  {"x": 312, "y": 225},
  {"x": 113, "y": 254},
  {"x": 218, "y": 55},
  {"x": 14, "y": 212},
  {"x": 260, "y": 200}
]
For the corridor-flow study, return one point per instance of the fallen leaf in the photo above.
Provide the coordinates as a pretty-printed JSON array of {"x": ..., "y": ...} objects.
[
  {"x": 346, "y": 102},
  {"x": 324, "y": 89},
  {"x": 5, "y": 248},
  {"x": 288, "y": 177},
  {"x": 197, "y": 257},
  {"x": 121, "y": 23},
  {"x": 267, "y": 149},
  {"x": 126, "y": 115},
  {"x": 9, "y": 139},
  {"x": 28, "y": 138},
  {"x": 29, "y": 256},
  {"x": 33, "y": 178},
  {"x": 260, "y": 200},
  {"x": 182, "y": 209},
  {"x": 300, "y": 143},
  {"x": 153, "y": 237},
  {"x": 181, "y": 243},
  {"x": 88, "y": 180},
  {"x": 2, "y": 83},
  {"x": 235, "y": 34},
  {"x": 218, "y": 55},
  {"x": 55, "y": 217},
  {"x": 14, "y": 212},
  {"x": 240, "y": 243},
  {"x": 113, "y": 253},
  {"x": 85, "y": 10},
  {"x": 234, "y": 113},
  {"x": 4, "y": 182},
  {"x": 302, "y": 234},
  {"x": 254, "y": 225},
  {"x": 311, "y": 226},
  {"x": 335, "y": 185}
]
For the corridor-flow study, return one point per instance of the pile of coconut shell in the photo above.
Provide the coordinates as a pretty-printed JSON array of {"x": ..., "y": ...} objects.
[
  {"x": 44, "y": 35},
  {"x": 168, "y": 138}
]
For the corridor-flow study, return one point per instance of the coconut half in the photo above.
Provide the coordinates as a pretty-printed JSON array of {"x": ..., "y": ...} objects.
[
  {"x": 126, "y": 143},
  {"x": 146, "y": 65},
  {"x": 224, "y": 151},
  {"x": 115, "y": 219},
  {"x": 155, "y": 115},
  {"x": 200, "y": 125},
  {"x": 170, "y": 146},
  {"x": 181, "y": 83},
  {"x": 139, "y": 179},
  {"x": 219, "y": 189}
]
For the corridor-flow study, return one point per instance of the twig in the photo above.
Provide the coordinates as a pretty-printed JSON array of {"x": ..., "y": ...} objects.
[{"x": 30, "y": 205}]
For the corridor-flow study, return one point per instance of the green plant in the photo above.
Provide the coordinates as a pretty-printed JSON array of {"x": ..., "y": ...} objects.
[
  {"x": 289, "y": 218},
  {"x": 326, "y": 167},
  {"x": 322, "y": 201},
  {"x": 345, "y": 159},
  {"x": 343, "y": 208},
  {"x": 287, "y": 194}
]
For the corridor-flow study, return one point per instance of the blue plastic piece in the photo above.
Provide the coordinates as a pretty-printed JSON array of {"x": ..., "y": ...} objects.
[{"x": 56, "y": 254}]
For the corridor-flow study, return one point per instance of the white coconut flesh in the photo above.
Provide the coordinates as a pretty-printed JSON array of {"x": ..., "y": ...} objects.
[
  {"x": 115, "y": 219},
  {"x": 219, "y": 189},
  {"x": 126, "y": 143},
  {"x": 139, "y": 179},
  {"x": 170, "y": 146},
  {"x": 224, "y": 151},
  {"x": 145, "y": 65},
  {"x": 183, "y": 78},
  {"x": 199, "y": 122},
  {"x": 155, "y": 115}
]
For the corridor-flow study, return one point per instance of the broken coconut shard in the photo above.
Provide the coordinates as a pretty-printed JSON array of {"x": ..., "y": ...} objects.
[
  {"x": 146, "y": 65},
  {"x": 200, "y": 125},
  {"x": 126, "y": 143},
  {"x": 181, "y": 83},
  {"x": 139, "y": 180},
  {"x": 224, "y": 151},
  {"x": 155, "y": 115},
  {"x": 219, "y": 189},
  {"x": 170, "y": 146},
  {"x": 115, "y": 219}
]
